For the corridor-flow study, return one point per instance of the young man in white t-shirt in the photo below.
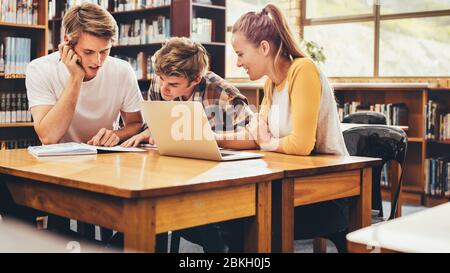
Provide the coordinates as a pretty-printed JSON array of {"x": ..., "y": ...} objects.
[{"x": 77, "y": 94}]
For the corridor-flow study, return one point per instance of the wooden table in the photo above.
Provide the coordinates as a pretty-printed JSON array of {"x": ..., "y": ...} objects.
[
  {"x": 313, "y": 179},
  {"x": 143, "y": 194},
  {"x": 424, "y": 231}
]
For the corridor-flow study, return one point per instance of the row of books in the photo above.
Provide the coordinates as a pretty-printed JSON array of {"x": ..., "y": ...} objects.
[
  {"x": 437, "y": 179},
  {"x": 126, "y": 5},
  {"x": 137, "y": 63},
  {"x": 202, "y": 29},
  {"x": 396, "y": 113},
  {"x": 14, "y": 108},
  {"x": 144, "y": 32},
  {"x": 15, "y": 53},
  {"x": 18, "y": 143},
  {"x": 118, "y": 5},
  {"x": 437, "y": 121},
  {"x": 19, "y": 11},
  {"x": 52, "y": 11}
]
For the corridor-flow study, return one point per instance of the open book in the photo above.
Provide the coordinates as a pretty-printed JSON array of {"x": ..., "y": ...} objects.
[{"x": 73, "y": 148}]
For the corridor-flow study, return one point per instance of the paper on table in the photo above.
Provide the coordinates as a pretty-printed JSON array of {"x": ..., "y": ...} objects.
[{"x": 73, "y": 148}]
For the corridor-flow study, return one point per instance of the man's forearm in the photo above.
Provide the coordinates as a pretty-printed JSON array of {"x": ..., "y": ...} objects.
[
  {"x": 129, "y": 130},
  {"x": 56, "y": 122}
]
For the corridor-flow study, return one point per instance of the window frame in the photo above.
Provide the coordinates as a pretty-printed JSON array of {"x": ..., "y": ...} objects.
[{"x": 376, "y": 17}]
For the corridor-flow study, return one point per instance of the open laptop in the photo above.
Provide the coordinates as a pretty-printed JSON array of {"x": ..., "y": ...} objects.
[{"x": 182, "y": 129}]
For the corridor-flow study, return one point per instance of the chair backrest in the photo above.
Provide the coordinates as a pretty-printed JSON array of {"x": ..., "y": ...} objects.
[
  {"x": 387, "y": 143},
  {"x": 365, "y": 117}
]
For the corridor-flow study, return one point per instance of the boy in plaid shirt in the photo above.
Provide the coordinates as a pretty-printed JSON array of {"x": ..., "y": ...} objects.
[{"x": 181, "y": 67}]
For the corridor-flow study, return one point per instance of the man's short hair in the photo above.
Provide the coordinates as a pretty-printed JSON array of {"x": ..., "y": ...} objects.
[
  {"x": 89, "y": 18},
  {"x": 181, "y": 56}
]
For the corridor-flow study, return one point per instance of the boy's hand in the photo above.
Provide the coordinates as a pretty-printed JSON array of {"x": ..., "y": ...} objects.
[
  {"x": 135, "y": 140},
  {"x": 71, "y": 60},
  {"x": 104, "y": 137}
]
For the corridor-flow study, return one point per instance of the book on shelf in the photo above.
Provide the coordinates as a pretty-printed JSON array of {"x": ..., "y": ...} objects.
[
  {"x": 437, "y": 121},
  {"x": 74, "y": 148},
  {"x": 385, "y": 175},
  {"x": 396, "y": 113},
  {"x": 137, "y": 63},
  {"x": 17, "y": 55},
  {"x": 20, "y": 143},
  {"x": 437, "y": 179},
  {"x": 206, "y": 2},
  {"x": 202, "y": 30},
  {"x": 71, "y": 3},
  {"x": 143, "y": 31},
  {"x": 2, "y": 58},
  {"x": 14, "y": 108},
  {"x": 127, "y": 5},
  {"x": 19, "y": 11}
]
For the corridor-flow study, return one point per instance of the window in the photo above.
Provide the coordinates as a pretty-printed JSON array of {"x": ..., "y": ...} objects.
[
  {"x": 411, "y": 47},
  {"x": 345, "y": 56},
  {"x": 333, "y": 8},
  {"x": 235, "y": 9},
  {"x": 380, "y": 37}
]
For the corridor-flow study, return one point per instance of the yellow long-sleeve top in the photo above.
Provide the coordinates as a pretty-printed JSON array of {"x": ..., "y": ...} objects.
[{"x": 294, "y": 115}]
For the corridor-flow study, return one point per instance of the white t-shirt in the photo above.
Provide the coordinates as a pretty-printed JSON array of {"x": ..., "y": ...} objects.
[{"x": 101, "y": 99}]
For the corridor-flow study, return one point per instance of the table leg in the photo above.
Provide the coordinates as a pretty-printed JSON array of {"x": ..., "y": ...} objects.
[
  {"x": 139, "y": 225},
  {"x": 360, "y": 211},
  {"x": 258, "y": 235}
]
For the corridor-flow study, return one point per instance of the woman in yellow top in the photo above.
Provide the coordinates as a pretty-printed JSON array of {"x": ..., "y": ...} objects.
[{"x": 298, "y": 114}]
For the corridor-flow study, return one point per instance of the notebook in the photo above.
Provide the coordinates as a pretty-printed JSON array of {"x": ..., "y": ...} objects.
[{"x": 73, "y": 148}]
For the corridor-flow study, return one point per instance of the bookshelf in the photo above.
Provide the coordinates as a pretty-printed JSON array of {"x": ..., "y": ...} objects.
[
  {"x": 27, "y": 24},
  {"x": 415, "y": 97},
  {"x": 181, "y": 17}
]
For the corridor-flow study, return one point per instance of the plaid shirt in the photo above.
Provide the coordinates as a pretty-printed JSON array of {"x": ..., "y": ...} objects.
[{"x": 226, "y": 108}]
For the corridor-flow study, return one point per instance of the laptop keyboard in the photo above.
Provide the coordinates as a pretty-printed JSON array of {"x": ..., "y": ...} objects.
[{"x": 224, "y": 154}]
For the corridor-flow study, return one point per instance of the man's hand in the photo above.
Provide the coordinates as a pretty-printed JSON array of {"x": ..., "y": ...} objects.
[
  {"x": 104, "y": 137},
  {"x": 71, "y": 60},
  {"x": 135, "y": 140}
]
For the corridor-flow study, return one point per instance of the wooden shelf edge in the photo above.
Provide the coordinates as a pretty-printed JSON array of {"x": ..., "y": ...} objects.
[
  {"x": 411, "y": 198},
  {"x": 415, "y": 139},
  {"x": 138, "y": 45},
  {"x": 139, "y": 10},
  {"x": 210, "y": 6},
  {"x": 9, "y": 77},
  {"x": 407, "y": 188},
  {"x": 431, "y": 201},
  {"x": 16, "y": 124},
  {"x": 213, "y": 43},
  {"x": 438, "y": 141},
  {"x": 14, "y": 25}
]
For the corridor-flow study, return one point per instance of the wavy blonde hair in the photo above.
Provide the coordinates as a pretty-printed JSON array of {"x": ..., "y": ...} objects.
[
  {"x": 89, "y": 18},
  {"x": 181, "y": 56}
]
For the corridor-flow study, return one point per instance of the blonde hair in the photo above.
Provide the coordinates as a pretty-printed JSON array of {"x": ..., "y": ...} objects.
[
  {"x": 269, "y": 25},
  {"x": 181, "y": 56},
  {"x": 89, "y": 18}
]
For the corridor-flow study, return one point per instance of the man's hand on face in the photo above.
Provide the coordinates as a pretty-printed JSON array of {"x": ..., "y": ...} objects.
[{"x": 71, "y": 60}]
